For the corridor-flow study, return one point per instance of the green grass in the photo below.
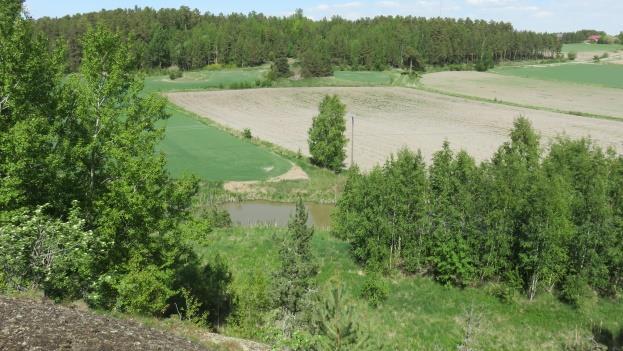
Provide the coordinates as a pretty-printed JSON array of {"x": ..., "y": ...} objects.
[
  {"x": 205, "y": 79},
  {"x": 582, "y": 47},
  {"x": 419, "y": 313},
  {"x": 195, "y": 147},
  {"x": 606, "y": 75}
]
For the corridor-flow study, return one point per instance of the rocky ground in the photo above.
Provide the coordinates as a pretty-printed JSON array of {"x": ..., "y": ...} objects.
[{"x": 27, "y": 324}]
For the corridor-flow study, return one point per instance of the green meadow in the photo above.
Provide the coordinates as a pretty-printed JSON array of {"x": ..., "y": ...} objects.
[
  {"x": 205, "y": 79},
  {"x": 195, "y": 147},
  {"x": 583, "y": 47},
  {"x": 606, "y": 75},
  {"x": 419, "y": 313}
]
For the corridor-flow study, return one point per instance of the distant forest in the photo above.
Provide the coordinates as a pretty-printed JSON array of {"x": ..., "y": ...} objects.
[{"x": 190, "y": 39}]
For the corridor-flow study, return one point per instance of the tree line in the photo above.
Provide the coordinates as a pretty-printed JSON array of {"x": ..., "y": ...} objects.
[
  {"x": 190, "y": 39},
  {"x": 528, "y": 220}
]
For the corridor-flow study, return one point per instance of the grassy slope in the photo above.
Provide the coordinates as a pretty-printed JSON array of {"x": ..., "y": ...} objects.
[
  {"x": 421, "y": 314},
  {"x": 582, "y": 47},
  {"x": 607, "y": 75},
  {"x": 195, "y": 147},
  {"x": 204, "y": 79}
]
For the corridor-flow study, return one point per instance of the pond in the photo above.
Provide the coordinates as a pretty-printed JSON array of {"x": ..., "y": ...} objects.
[{"x": 250, "y": 213}]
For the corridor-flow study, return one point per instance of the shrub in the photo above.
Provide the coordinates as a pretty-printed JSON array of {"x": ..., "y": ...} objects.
[
  {"x": 145, "y": 291},
  {"x": 596, "y": 58},
  {"x": 46, "y": 253},
  {"x": 572, "y": 56},
  {"x": 246, "y": 133},
  {"x": 576, "y": 291},
  {"x": 375, "y": 290},
  {"x": 605, "y": 55},
  {"x": 175, "y": 72}
]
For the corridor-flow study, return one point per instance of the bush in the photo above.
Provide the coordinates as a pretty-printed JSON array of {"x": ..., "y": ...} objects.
[
  {"x": 46, "y": 253},
  {"x": 572, "y": 56},
  {"x": 175, "y": 72},
  {"x": 596, "y": 58},
  {"x": 246, "y": 133},
  {"x": 375, "y": 290},
  {"x": 145, "y": 291},
  {"x": 576, "y": 291}
]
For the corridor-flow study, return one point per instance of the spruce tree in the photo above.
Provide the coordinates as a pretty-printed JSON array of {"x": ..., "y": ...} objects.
[
  {"x": 295, "y": 276},
  {"x": 326, "y": 136}
]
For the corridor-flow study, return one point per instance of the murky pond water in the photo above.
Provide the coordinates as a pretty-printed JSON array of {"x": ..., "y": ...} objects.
[{"x": 248, "y": 213}]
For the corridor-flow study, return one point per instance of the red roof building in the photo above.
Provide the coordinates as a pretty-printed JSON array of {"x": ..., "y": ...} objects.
[{"x": 593, "y": 38}]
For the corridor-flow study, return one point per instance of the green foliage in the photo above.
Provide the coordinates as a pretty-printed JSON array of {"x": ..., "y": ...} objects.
[
  {"x": 525, "y": 220},
  {"x": 144, "y": 290},
  {"x": 294, "y": 279},
  {"x": 485, "y": 62},
  {"x": 54, "y": 255},
  {"x": 175, "y": 72},
  {"x": 336, "y": 324},
  {"x": 375, "y": 290},
  {"x": 326, "y": 135},
  {"x": 92, "y": 136},
  {"x": 246, "y": 133},
  {"x": 572, "y": 55},
  {"x": 279, "y": 69},
  {"x": 315, "y": 62},
  {"x": 576, "y": 291}
]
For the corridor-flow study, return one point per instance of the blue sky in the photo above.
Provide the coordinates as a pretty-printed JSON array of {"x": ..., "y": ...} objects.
[{"x": 539, "y": 15}]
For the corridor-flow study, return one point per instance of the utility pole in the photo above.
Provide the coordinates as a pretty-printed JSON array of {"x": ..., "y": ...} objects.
[{"x": 352, "y": 140}]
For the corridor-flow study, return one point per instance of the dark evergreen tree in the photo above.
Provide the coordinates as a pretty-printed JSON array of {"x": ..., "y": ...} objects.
[{"x": 297, "y": 270}]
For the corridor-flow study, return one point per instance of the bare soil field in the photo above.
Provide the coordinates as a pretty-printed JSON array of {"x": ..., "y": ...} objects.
[
  {"x": 532, "y": 92},
  {"x": 387, "y": 119}
]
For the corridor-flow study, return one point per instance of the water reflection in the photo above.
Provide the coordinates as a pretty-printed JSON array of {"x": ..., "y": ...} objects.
[{"x": 250, "y": 213}]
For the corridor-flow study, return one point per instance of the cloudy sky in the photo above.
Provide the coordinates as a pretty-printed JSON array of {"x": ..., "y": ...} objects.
[{"x": 539, "y": 15}]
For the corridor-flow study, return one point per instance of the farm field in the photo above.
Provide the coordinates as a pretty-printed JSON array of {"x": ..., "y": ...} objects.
[
  {"x": 194, "y": 147},
  {"x": 587, "y": 51},
  {"x": 419, "y": 314},
  {"x": 531, "y": 92},
  {"x": 225, "y": 78},
  {"x": 205, "y": 79},
  {"x": 605, "y": 75},
  {"x": 388, "y": 119}
]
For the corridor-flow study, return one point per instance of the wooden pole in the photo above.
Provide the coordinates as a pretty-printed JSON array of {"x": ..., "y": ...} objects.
[{"x": 352, "y": 140}]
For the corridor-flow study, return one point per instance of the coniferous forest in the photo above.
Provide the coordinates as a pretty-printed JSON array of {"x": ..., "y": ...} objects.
[{"x": 190, "y": 39}]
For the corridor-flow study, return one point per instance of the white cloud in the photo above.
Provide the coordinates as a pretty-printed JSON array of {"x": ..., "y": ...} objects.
[{"x": 389, "y": 4}]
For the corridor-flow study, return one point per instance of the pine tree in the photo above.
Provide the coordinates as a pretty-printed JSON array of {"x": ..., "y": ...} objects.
[
  {"x": 326, "y": 136},
  {"x": 336, "y": 324}
]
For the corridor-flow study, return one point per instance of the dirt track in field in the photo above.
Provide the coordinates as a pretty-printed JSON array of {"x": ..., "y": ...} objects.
[
  {"x": 387, "y": 119},
  {"x": 532, "y": 92}
]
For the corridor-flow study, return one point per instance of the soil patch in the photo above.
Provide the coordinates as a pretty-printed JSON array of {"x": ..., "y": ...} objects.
[{"x": 388, "y": 118}]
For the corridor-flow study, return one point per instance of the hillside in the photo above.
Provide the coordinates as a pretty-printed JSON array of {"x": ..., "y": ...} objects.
[{"x": 39, "y": 325}]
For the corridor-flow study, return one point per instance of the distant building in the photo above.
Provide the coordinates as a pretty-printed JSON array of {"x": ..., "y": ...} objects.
[{"x": 593, "y": 39}]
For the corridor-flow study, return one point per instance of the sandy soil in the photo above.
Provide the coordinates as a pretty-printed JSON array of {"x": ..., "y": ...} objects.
[
  {"x": 295, "y": 173},
  {"x": 533, "y": 92},
  {"x": 387, "y": 119}
]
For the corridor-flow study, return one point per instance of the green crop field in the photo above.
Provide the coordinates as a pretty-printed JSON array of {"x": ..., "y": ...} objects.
[
  {"x": 205, "y": 79},
  {"x": 583, "y": 47},
  {"x": 607, "y": 75},
  {"x": 419, "y": 314},
  {"x": 194, "y": 147}
]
